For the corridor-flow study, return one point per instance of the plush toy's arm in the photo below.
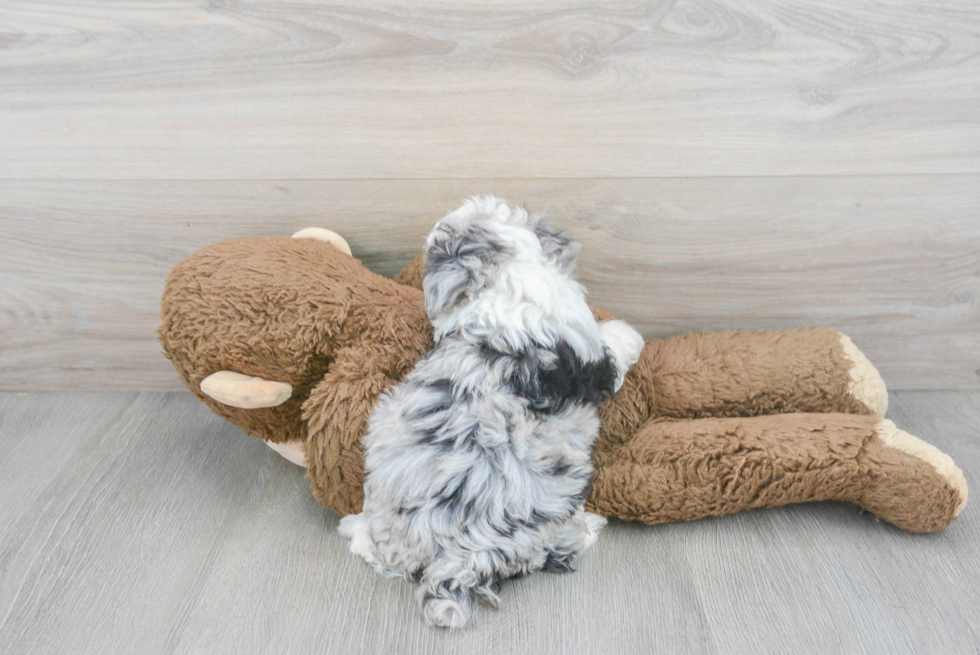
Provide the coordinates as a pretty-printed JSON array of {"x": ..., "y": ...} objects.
[
  {"x": 336, "y": 413},
  {"x": 689, "y": 469},
  {"x": 745, "y": 373}
]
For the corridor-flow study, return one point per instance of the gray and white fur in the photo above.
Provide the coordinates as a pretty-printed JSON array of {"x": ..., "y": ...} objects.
[{"x": 479, "y": 462}]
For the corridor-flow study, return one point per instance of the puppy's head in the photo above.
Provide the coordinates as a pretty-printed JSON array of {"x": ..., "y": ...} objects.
[{"x": 468, "y": 249}]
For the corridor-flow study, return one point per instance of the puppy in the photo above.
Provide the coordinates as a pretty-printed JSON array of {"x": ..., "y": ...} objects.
[{"x": 478, "y": 463}]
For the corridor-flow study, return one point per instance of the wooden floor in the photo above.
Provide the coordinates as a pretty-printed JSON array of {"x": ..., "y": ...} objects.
[{"x": 141, "y": 523}]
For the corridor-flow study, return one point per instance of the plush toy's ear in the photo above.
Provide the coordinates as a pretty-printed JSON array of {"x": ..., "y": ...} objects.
[
  {"x": 321, "y": 234},
  {"x": 245, "y": 391},
  {"x": 460, "y": 258}
]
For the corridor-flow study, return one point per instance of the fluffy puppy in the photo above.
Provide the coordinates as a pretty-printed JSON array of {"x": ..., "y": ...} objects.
[{"x": 478, "y": 463}]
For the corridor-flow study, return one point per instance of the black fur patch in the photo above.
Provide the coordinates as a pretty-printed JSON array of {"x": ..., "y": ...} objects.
[
  {"x": 429, "y": 436},
  {"x": 559, "y": 467},
  {"x": 567, "y": 379},
  {"x": 451, "y": 498},
  {"x": 444, "y": 403}
]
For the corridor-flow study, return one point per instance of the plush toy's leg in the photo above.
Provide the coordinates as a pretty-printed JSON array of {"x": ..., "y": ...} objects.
[
  {"x": 745, "y": 373},
  {"x": 294, "y": 451},
  {"x": 689, "y": 469}
]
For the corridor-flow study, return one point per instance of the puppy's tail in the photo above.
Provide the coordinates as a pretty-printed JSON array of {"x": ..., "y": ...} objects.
[{"x": 448, "y": 592}]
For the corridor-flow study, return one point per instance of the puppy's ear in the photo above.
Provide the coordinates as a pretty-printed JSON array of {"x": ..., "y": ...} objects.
[
  {"x": 459, "y": 261},
  {"x": 557, "y": 248}
]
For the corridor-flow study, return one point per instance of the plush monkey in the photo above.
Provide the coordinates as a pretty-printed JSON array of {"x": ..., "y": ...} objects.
[{"x": 293, "y": 340}]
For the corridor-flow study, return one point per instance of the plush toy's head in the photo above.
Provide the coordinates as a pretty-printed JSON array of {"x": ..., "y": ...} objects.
[{"x": 279, "y": 309}]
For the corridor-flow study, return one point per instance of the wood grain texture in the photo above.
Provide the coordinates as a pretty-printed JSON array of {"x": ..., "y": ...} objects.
[
  {"x": 108, "y": 539},
  {"x": 892, "y": 261},
  {"x": 143, "y": 523},
  {"x": 302, "y": 90}
]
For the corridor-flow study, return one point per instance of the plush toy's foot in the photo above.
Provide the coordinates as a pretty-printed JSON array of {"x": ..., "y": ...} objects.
[
  {"x": 689, "y": 469},
  {"x": 294, "y": 451},
  {"x": 918, "y": 487}
]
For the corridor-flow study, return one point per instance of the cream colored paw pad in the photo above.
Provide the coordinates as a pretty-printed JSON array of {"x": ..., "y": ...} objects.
[
  {"x": 294, "y": 451},
  {"x": 892, "y": 437},
  {"x": 865, "y": 383}
]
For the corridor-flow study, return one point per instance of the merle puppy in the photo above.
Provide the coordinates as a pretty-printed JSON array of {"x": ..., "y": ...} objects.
[{"x": 478, "y": 463}]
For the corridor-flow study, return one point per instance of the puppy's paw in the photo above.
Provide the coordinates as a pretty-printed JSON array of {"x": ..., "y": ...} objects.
[
  {"x": 579, "y": 533},
  {"x": 350, "y": 525},
  {"x": 624, "y": 343},
  {"x": 556, "y": 562},
  {"x": 354, "y": 527},
  {"x": 593, "y": 524}
]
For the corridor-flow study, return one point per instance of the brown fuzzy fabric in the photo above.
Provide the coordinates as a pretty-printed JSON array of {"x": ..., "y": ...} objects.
[
  {"x": 296, "y": 311},
  {"x": 675, "y": 469},
  {"x": 705, "y": 424}
]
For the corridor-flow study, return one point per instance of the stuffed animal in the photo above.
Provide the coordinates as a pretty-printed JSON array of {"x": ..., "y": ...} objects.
[{"x": 293, "y": 340}]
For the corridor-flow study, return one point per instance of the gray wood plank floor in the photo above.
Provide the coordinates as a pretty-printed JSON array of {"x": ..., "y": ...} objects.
[{"x": 141, "y": 523}]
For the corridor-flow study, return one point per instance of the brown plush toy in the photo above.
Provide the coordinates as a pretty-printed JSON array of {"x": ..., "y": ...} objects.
[{"x": 293, "y": 340}]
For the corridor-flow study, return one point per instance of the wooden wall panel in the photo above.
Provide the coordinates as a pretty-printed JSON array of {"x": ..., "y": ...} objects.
[
  {"x": 726, "y": 163},
  {"x": 305, "y": 90},
  {"x": 893, "y": 261}
]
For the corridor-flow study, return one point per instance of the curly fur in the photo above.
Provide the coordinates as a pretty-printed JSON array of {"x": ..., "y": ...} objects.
[{"x": 478, "y": 463}]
